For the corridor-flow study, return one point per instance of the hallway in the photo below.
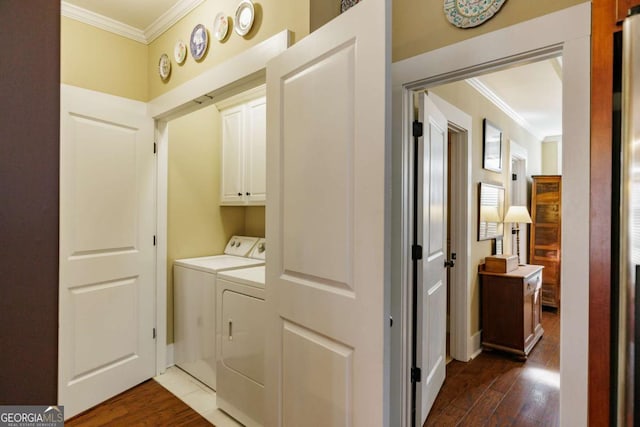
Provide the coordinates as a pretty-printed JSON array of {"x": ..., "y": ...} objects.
[{"x": 498, "y": 390}]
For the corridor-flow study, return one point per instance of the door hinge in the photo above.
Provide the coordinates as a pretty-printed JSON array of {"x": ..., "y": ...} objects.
[
  {"x": 154, "y": 240},
  {"x": 416, "y": 375},
  {"x": 155, "y": 148},
  {"x": 514, "y": 177},
  {"x": 416, "y": 252},
  {"x": 417, "y": 129},
  {"x": 154, "y": 333}
]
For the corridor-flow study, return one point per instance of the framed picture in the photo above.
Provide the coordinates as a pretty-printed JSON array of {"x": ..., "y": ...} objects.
[{"x": 491, "y": 147}]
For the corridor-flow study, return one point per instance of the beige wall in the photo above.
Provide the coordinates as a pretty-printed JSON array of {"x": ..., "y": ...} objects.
[
  {"x": 467, "y": 99},
  {"x": 321, "y": 12},
  {"x": 102, "y": 61},
  {"x": 197, "y": 225},
  {"x": 272, "y": 16},
  {"x": 551, "y": 158},
  {"x": 420, "y": 25},
  {"x": 254, "y": 224}
]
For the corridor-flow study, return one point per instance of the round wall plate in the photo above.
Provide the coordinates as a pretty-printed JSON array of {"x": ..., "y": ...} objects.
[
  {"x": 164, "y": 66},
  {"x": 220, "y": 26},
  {"x": 199, "y": 42},
  {"x": 244, "y": 17},
  {"x": 471, "y": 13},
  {"x": 180, "y": 52}
]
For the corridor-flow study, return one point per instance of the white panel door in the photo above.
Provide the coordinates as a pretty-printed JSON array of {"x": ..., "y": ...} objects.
[
  {"x": 256, "y": 146},
  {"x": 327, "y": 338},
  {"x": 432, "y": 278},
  {"x": 107, "y": 253}
]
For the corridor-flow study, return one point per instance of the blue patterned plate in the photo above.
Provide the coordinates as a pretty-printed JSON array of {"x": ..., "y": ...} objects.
[
  {"x": 199, "y": 42},
  {"x": 470, "y": 13}
]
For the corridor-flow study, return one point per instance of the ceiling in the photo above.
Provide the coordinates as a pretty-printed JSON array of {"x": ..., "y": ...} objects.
[
  {"x": 531, "y": 94},
  {"x": 139, "y": 14}
]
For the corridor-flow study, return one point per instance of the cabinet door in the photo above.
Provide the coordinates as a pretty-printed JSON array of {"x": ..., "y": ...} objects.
[
  {"x": 256, "y": 150},
  {"x": 528, "y": 315},
  {"x": 233, "y": 130}
]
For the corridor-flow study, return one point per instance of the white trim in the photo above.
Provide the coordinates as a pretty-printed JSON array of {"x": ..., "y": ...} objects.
[
  {"x": 519, "y": 153},
  {"x": 162, "y": 175},
  {"x": 475, "y": 345},
  {"x": 502, "y": 105},
  {"x": 568, "y": 32},
  {"x": 100, "y": 21},
  {"x": 236, "y": 72},
  {"x": 169, "y": 18},
  {"x": 170, "y": 356},
  {"x": 552, "y": 138},
  {"x": 244, "y": 97},
  {"x": 146, "y": 36},
  {"x": 461, "y": 215},
  {"x": 574, "y": 315}
]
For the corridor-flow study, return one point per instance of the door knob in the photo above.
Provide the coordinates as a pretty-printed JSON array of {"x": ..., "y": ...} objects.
[{"x": 449, "y": 263}]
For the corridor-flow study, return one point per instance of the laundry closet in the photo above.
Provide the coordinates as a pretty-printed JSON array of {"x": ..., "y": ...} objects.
[{"x": 216, "y": 249}]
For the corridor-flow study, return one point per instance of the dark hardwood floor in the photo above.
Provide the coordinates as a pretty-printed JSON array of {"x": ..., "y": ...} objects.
[
  {"x": 496, "y": 389},
  {"x": 148, "y": 404}
]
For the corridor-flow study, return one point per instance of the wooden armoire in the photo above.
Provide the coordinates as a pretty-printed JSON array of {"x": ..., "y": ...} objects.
[{"x": 545, "y": 245}]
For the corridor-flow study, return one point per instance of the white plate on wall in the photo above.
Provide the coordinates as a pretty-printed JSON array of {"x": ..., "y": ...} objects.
[
  {"x": 244, "y": 17},
  {"x": 180, "y": 52},
  {"x": 220, "y": 26},
  {"x": 164, "y": 66}
]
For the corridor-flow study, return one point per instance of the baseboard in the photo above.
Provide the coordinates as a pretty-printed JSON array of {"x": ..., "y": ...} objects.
[
  {"x": 475, "y": 347},
  {"x": 170, "y": 360}
]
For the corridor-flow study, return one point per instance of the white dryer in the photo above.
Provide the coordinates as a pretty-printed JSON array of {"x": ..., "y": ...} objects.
[
  {"x": 241, "y": 335},
  {"x": 194, "y": 306}
]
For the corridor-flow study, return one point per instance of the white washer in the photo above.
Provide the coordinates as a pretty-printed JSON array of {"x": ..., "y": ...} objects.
[
  {"x": 194, "y": 305},
  {"x": 241, "y": 335}
]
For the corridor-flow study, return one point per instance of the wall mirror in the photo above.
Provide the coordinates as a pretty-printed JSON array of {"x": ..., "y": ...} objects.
[
  {"x": 490, "y": 211},
  {"x": 492, "y": 147}
]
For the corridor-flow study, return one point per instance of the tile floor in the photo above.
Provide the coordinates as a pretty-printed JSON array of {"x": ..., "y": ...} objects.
[{"x": 195, "y": 394}]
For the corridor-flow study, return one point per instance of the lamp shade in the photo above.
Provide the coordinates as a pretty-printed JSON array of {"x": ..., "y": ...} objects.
[
  {"x": 489, "y": 214},
  {"x": 517, "y": 214}
]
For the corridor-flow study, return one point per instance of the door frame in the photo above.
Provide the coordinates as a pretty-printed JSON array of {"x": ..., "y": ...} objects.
[
  {"x": 461, "y": 125},
  {"x": 567, "y": 32},
  {"x": 239, "y": 73},
  {"x": 519, "y": 153}
]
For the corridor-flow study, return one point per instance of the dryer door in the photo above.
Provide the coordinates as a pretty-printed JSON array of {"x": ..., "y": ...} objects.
[{"x": 243, "y": 335}]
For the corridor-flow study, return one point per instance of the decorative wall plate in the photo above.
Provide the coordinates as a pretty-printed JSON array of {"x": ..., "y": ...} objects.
[
  {"x": 470, "y": 13},
  {"x": 220, "y": 26},
  {"x": 244, "y": 17},
  {"x": 164, "y": 66},
  {"x": 180, "y": 52},
  {"x": 199, "y": 42}
]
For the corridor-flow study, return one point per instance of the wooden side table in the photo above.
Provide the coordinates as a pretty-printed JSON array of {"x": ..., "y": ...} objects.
[{"x": 512, "y": 309}]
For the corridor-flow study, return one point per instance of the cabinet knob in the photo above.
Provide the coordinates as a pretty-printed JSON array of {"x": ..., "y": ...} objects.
[
  {"x": 248, "y": 194},
  {"x": 239, "y": 194}
]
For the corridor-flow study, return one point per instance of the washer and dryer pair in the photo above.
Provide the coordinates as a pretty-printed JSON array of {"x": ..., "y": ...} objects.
[
  {"x": 219, "y": 325},
  {"x": 194, "y": 304}
]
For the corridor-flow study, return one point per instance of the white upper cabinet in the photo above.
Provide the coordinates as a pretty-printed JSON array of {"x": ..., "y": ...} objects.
[{"x": 243, "y": 180}]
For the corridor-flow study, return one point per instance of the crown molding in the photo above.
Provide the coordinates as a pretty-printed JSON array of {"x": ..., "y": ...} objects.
[
  {"x": 100, "y": 21},
  {"x": 498, "y": 102},
  {"x": 169, "y": 18},
  {"x": 152, "y": 32}
]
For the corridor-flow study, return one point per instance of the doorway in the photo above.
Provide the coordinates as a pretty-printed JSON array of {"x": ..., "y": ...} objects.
[{"x": 525, "y": 45}]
